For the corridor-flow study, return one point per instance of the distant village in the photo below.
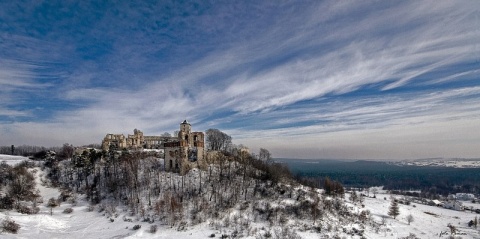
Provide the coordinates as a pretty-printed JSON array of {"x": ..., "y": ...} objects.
[
  {"x": 454, "y": 201},
  {"x": 458, "y": 201}
]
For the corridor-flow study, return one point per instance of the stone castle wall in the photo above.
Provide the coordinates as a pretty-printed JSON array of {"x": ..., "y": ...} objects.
[{"x": 186, "y": 147}]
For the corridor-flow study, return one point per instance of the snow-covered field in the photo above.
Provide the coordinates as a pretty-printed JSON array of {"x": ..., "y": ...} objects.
[
  {"x": 453, "y": 163},
  {"x": 429, "y": 221},
  {"x": 11, "y": 159}
]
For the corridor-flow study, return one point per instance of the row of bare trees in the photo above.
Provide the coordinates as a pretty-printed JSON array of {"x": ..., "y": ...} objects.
[
  {"x": 218, "y": 140},
  {"x": 139, "y": 180},
  {"x": 199, "y": 191},
  {"x": 18, "y": 184},
  {"x": 64, "y": 152}
]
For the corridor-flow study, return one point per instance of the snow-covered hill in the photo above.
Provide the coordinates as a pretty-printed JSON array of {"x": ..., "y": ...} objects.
[
  {"x": 11, "y": 159},
  {"x": 429, "y": 221},
  {"x": 441, "y": 162},
  {"x": 83, "y": 222},
  {"x": 98, "y": 222}
]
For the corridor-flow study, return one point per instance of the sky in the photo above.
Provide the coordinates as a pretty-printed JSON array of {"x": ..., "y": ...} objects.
[{"x": 304, "y": 79}]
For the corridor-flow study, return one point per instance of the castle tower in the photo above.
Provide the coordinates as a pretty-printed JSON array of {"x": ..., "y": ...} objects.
[
  {"x": 189, "y": 147},
  {"x": 186, "y": 127}
]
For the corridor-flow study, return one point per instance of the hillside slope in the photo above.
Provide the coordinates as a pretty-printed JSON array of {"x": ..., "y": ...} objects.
[{"x": 279, "y": 211}]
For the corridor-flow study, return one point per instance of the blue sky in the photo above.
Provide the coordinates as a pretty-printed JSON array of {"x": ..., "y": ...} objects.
[{"x": 305, "y": 79}]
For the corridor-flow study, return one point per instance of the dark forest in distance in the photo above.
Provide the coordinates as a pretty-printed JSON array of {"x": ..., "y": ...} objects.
[{"x": 363, "y": 173}]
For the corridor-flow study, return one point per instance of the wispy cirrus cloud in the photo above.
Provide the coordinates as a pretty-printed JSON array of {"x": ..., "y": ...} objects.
[
  {"x": 371, "y": 112},
  {"x": 15, "y": 74},
  {"x": 16, "y": 77},
  {"x": 259, "y": 71}
]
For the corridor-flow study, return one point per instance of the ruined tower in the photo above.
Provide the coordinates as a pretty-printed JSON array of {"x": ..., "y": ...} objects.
[{"x": 189, "y": 147}]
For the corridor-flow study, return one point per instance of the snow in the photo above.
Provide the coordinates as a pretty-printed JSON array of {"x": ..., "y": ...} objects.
[
  {"x": 12, "y": 159},
  {"x": 441, "y": 162},
  {"x": 429, "y": 221},
  {"x": 83, "y": 224}
]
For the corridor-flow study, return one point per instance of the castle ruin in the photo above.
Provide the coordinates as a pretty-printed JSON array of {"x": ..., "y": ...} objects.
[
  {"x": 134, "y": 141},
  {"x": 187, "y": 146}
]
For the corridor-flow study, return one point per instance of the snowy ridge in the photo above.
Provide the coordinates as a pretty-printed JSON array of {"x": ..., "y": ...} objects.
[
  {"x": 11, "y": 159},
  {"x": 262, "y": 218},
  {"x": 441, "y": 162}
]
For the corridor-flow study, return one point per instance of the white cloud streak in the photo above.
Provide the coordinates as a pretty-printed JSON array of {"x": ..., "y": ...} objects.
[{"x": 287, "y": 83}]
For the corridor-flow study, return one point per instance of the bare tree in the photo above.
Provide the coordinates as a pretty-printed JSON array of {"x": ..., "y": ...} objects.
[
  {"x": 328, "y": 186},
  {"x": 245, "y": 159},
  {"x": 315, "y": 205},
  {"x": 166, "y": 134},
  {"x": 361, "y": 198},
  {"x": 353, "y": 196},
  {"x": 218, "y": 140},
  {"x": 66, "y": 151},
  {"x": 384, "y": 220},
  {"x": 51, "y": 204},
  {"x": 364, "y": 215},
  {"x": 22, "y": 185},
  {"x": 453, "y": 229},
  {"x": 265, "y": 155},
  {"x": 410, "y": 218}
]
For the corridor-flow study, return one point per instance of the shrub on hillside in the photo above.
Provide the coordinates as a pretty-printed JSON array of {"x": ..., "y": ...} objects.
[
  {"x": 136, "y": 227},
  {"x": 27, "y": 210},
  {"x": 10, "y": 226},
  {"x": 40, "y": 155},
  {"x": 26, "y": 164},
  {"x": 39, "y": 199},
  {"x": 90, "y": 208},
  {"x": 411, "y": 236},
  {"x": 6, "y": 202},
  {"x": 68, "y": 210},
  {"x": 22, "y": 185},
  {"x": 153, "y": 228},
  {"x": 65, "y": 195}
]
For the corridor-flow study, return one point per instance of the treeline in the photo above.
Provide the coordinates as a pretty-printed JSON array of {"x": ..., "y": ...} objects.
[
  {"x": 204, "y": 190},
  {"x": 330, "y": 187},
  {"x": 25, "y": 150},
  {"x": 138, "y": 180},
  {"x": 430, "y": 182},
  {"x": 362, "y": 174},
  {"x": 30, "y": 150}
]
